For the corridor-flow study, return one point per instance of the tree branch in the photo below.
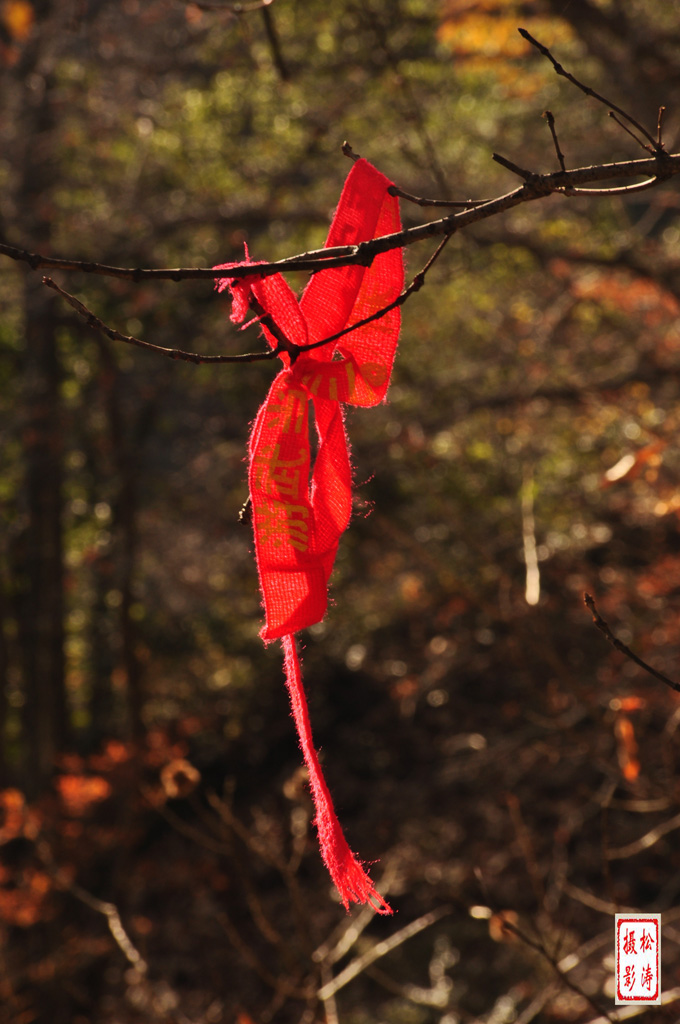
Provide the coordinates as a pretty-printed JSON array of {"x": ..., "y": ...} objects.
[
  {"x": 230, "y": 8},
  {"x": 644, "y": 842},
  {"x": 415, "y": 285},
  {"x": 380, "y": 949},
  {"x": 108, "y": 910},
  {"x": 655, "y": 146},
  {"x": 284, "y": 343},
  {"x": 604, "y": 628},
  {"x": 548, "y": 115},
  {"x": 172, "y": 353},
  {"x": 463, "y": 204},
  {"x": 540, "y": 948},
  {"x": 657, "y": 168}
]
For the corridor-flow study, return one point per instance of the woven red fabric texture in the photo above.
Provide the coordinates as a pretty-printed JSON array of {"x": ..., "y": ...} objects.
[{"x": 297, "y": 522}]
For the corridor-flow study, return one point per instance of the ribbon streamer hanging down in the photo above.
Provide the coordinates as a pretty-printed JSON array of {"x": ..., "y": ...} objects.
[{"x": 298, "y": 522}]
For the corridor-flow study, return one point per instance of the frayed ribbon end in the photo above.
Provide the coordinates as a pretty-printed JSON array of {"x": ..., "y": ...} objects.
[{"x": 350, "y": 879}]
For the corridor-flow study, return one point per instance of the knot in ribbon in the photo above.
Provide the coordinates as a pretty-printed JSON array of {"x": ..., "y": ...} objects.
[{"x": 298, "y": 522}]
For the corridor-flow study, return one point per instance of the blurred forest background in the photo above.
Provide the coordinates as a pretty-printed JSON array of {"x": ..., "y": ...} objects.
[{"x": 483, "y": 741}]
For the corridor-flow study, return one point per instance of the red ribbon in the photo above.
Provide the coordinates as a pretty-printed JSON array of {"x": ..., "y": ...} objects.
[{"x": 297, "y": 522}]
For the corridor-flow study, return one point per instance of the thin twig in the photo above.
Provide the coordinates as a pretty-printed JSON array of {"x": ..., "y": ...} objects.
[
  {"x": 171, "y": 353},
  {"x": 548, "y": 115},
  {"x": 570, "y": 961},
  {"x": 405, "y": 96},
  {"x": 604, "y": 628},
  {"x": 246, "y": 513},
  {"x": 520, "y": 171},
  {"x": 185, "y": 828},
  {"x": 437, "y": 994},
  {"x": 605, "y": 805},
  {"x": 610, "y": 193},
  {"x": 381, "y": 949},
  {"x": 586, "y": 88},
  {"x": 348, "y": 151},
  {"x": 662, "y": 166},
  {"x": 671, "y": 995},
  {"x": 628, "y": 131},
  {"x": 650, "y": 838},
  {"x": 253, "y": 843},
  {"x": 333, "y": 950},
  {"x": 230, "y": 8},
  {"x": 274, "y": 42},
  {"x": 103, "y": 907},
  {"x": 659, "y": 127},
  {"x": 588, "y": 899},
  {"x": 539, "y": 948},
  {"x": 339, "y": 943},
  {"x": 526, "y": 846},
  {"x": 463, "y": 204},
  {"x": 252, "y": 959},
  {"x": 257, "y": 847},
  {"x": 415, "y": 285},
  {"x": 532, "y": 589},
  {"x": 530, "y": 1012},
  {"x": 284, "y": 343},
  {"x": 329, "y": 1004}
]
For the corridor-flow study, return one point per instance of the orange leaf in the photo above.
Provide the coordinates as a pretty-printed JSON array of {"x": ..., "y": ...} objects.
[
  {"x": 78, "y": 792},
  {"x": 632, "y": 703},
  {"x": 627, "y": 748},
  {"x": 12, "y": 810},
  {"x": 18, "y": 17}
]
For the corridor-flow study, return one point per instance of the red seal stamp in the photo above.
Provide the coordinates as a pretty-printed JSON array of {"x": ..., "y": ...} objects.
[{"x": 638, "y": 958}]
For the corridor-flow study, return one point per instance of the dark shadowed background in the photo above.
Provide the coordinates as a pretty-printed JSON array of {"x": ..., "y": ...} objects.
[{"x": 482, "y": 740}]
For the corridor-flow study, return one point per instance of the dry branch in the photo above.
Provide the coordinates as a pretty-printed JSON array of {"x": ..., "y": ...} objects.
[
  {"x": 659, "y": 167},
  {"x": 655, "y": 169},
  {"x": 620, "y": 646}
]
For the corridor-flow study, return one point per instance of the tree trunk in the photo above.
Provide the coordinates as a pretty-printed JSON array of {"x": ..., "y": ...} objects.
[
  {"x": 41, "y": 619},
  {"x": 38, "y": 555}
]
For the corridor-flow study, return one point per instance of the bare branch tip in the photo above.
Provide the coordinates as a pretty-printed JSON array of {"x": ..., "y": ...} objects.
[
  {"x": 659, "y": 128},
  {"x": 49, "y": 283},
  {"x": 648, "y": 149},
  {"x": 348, "y": 151},
  {"x": 603, "y": 626},
  {"x": 541, "y": 48},
  {"x": 549, "y": 117},
  {"x": 504, "y": 162}
]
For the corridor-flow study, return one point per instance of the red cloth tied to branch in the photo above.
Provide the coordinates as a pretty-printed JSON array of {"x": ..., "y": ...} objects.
[{"x": 298, "y": 522}]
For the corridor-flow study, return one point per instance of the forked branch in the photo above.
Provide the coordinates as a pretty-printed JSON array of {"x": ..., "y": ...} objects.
[
  {"x": 537, "y": 186},
  {"x": 284, "y": 343},
  {"x": 655, "y": 144},
  {"x": 658, "y": 167}
]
